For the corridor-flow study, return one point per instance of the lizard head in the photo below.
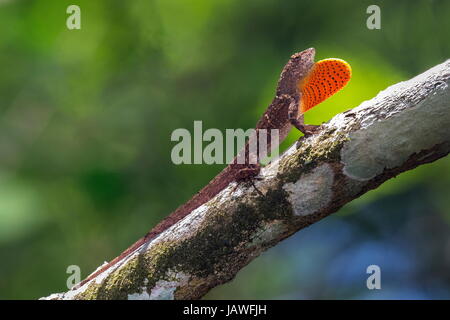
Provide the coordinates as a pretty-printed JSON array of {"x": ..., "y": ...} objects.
[{"x": 325, "y": 78}]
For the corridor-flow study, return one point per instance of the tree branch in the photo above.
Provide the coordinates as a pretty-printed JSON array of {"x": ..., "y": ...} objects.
[{"x": 401, "y": 128}]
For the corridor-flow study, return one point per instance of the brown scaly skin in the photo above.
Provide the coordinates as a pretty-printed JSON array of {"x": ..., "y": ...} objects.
[{"x": 282, "y": 114}]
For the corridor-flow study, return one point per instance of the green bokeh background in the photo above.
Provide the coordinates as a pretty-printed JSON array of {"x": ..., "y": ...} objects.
[{"x": 86, "y": 117}]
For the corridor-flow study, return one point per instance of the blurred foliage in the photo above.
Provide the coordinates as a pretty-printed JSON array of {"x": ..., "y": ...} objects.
[{"x": 86, "y": 117}]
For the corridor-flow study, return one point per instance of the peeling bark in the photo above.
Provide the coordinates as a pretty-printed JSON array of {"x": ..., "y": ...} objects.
[{"x": 404, "y": 126}]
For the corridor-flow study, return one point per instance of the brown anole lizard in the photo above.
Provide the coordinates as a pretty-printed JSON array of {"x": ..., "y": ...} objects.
[{"x": 302, "y": 85}]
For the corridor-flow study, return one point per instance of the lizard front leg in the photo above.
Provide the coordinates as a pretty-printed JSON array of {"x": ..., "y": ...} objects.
[{"x": 296, "y": 119}]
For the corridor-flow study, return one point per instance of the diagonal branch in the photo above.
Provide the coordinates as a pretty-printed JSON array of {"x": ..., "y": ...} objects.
[{"x": 404, "y": 126}]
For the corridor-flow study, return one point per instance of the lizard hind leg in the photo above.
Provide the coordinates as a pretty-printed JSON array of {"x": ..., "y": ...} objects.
[{"x": 248, "y": 173}]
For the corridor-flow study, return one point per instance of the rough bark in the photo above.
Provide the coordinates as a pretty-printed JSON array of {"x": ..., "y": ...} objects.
[{"x": 404, "y": 126}]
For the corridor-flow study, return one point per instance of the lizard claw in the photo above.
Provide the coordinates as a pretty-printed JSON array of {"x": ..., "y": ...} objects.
[
  {"x": 310, "y": 129},
  {"x": 248, "y": 172}
]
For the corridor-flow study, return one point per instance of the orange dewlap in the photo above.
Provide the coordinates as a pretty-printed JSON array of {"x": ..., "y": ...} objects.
[{"x": 325, "y": 79}]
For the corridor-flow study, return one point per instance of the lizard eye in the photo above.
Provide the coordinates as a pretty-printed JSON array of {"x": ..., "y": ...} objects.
[{"x": 325, "y": 79}]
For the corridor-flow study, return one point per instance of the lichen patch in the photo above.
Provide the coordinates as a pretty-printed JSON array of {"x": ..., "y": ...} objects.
[
  {"x": 165, "y": 290},
  {"x": 387, "y": 143},
  {"x": 268, "y": 232},
  {"x": 312, "y": 192},
  {"x": 143, "y": 295}
]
